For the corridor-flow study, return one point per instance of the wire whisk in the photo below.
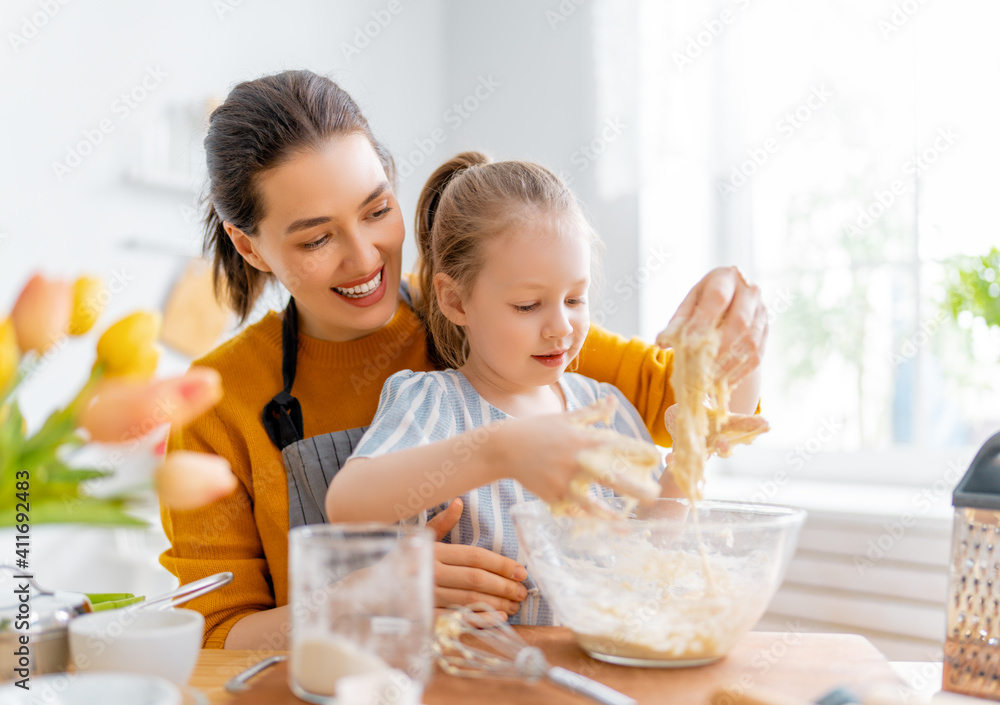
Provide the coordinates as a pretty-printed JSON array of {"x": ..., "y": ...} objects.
[{"x": 480, "y": 644}]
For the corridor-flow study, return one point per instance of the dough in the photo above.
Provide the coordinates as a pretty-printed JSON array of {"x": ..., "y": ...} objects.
[
  {"x": 703, "y": 424},
  {"x": 625, "y": 464}
]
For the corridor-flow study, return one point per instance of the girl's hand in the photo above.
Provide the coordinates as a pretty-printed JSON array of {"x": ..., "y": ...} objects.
[
  {"x": 723, "y": 299},
  {"x": 543, "y": 454},
  {"x": 464, "y": 575}
]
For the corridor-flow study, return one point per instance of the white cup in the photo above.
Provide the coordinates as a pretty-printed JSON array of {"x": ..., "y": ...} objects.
[{"x": 157, "y": 643}]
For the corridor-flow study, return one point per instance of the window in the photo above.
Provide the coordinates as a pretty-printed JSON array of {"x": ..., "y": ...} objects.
[{"x": 844, "y": 154}]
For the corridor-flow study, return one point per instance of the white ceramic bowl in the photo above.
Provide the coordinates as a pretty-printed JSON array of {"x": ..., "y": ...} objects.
[{"x": 156, "y": 643}]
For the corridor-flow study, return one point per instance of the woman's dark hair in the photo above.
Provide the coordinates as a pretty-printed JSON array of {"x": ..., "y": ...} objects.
[{"x": 261, "y": 124}]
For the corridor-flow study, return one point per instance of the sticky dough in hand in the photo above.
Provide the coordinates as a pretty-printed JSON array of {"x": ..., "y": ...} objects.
[
  {"x": 702, "y": 424},
  {"x": 624, "y": 464},
  {"x": 727, "y": 430}
]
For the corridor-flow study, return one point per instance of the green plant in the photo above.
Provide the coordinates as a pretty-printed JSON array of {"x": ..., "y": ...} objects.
[
  {"x": 38, "y": 483},
  {"x": 972, "y": 284}
]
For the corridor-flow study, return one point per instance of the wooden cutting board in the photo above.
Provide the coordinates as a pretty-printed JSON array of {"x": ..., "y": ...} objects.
[
  {"x": 192, "y": 319},
  {"x": 805, "y": 665}
]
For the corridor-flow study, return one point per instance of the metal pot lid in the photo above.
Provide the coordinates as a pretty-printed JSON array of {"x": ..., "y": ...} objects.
[{"x": 43, "y": 612}]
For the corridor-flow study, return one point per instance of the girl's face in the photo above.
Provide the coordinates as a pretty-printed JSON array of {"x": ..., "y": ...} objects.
[
  {"x": 527, "y": 315},
  {"x": 333, "y": 236}
]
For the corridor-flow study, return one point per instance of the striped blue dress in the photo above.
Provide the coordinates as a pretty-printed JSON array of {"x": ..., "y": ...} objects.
[{"x": 417, "y": 408}]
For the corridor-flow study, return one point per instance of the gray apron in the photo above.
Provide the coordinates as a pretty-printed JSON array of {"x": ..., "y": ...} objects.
[{"x": 310, "y": 463}]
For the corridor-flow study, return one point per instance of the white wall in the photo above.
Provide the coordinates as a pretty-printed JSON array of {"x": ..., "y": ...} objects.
[
  {"x": 553, "y": 103},
  {"x": 562, "y": 100},
  {"x": 67, "y": 79}
]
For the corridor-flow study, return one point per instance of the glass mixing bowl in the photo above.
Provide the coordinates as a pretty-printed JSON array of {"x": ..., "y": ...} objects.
[{"x": 670, "y": 585}]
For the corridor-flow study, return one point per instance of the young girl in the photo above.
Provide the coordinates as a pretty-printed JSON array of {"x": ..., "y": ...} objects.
[{"x": 506, "y": 261}]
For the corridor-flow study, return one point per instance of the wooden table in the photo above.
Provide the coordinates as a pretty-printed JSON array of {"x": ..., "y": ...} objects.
[{"x": 806, "y": 665}]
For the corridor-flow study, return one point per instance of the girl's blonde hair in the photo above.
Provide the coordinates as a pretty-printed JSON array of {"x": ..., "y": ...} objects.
[{"x": 465, "y": 204}]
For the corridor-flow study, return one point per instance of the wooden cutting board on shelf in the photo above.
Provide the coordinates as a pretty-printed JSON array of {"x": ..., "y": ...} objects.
[
  {"x": 798, "y": 664},
  {"x": 192, "y": 319}
]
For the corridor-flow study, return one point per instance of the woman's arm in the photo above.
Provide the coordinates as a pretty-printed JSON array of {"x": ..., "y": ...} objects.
[
  {"x": 268, "y": 629},
  {"x": 640, "y": 371},
  {"x": 746, "y": 397}
]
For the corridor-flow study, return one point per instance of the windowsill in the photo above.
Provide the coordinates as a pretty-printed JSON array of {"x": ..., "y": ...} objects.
[
  {"x": 899, "y": 465},
  {"x": 863, "y": 500}
]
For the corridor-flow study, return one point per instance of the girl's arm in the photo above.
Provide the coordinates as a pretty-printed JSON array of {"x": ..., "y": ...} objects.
[
  {"x": 398, "y": 485},
  {"x": 668, "y": 487},
  {"x": 540, "y": 452}
]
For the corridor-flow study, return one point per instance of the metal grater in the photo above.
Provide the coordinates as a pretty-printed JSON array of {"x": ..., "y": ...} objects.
[{"x": 972, "y": 645}]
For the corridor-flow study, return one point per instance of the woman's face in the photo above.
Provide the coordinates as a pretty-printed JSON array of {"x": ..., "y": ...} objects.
[{"x": 333, "y": 236}]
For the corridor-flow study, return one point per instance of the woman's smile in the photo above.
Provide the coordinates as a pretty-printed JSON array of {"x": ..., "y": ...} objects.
[{"x": 363, "y": 292}]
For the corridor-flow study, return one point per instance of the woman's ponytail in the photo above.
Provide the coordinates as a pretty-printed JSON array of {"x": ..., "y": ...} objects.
[{"x": 234, "y": 281}]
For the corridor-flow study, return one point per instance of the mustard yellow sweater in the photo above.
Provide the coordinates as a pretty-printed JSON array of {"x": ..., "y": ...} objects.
[{"x": 338, "y": 385}]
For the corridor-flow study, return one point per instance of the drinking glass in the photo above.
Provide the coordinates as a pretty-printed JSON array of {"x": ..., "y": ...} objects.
[{"x": 362, "y": 606}]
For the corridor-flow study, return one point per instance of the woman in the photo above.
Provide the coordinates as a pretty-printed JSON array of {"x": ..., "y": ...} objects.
[{"x": 302, "y": 192}]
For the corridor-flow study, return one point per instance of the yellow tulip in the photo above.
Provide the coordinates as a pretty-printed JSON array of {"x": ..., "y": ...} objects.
[
  {"x": 127, "y": 348},
  {"x": 10, "y": 354},
  {"x": 189, "y": 480},
  {"x": 87, "y": 304},
  {"x": 124, "y": 410},
  {"x": 143, "y": 365},
  {"x": 41, "y": 313}
]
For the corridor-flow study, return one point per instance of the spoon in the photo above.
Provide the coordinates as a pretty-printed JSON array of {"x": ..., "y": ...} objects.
[
  {"x": 162, "y": 602},
  {"x": 184, "y": 593}
]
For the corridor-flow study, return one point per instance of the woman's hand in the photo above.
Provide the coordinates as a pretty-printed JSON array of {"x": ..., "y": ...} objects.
[
  {"x": 464, "y": 575},
  {"x": 723, "y": 299}
]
